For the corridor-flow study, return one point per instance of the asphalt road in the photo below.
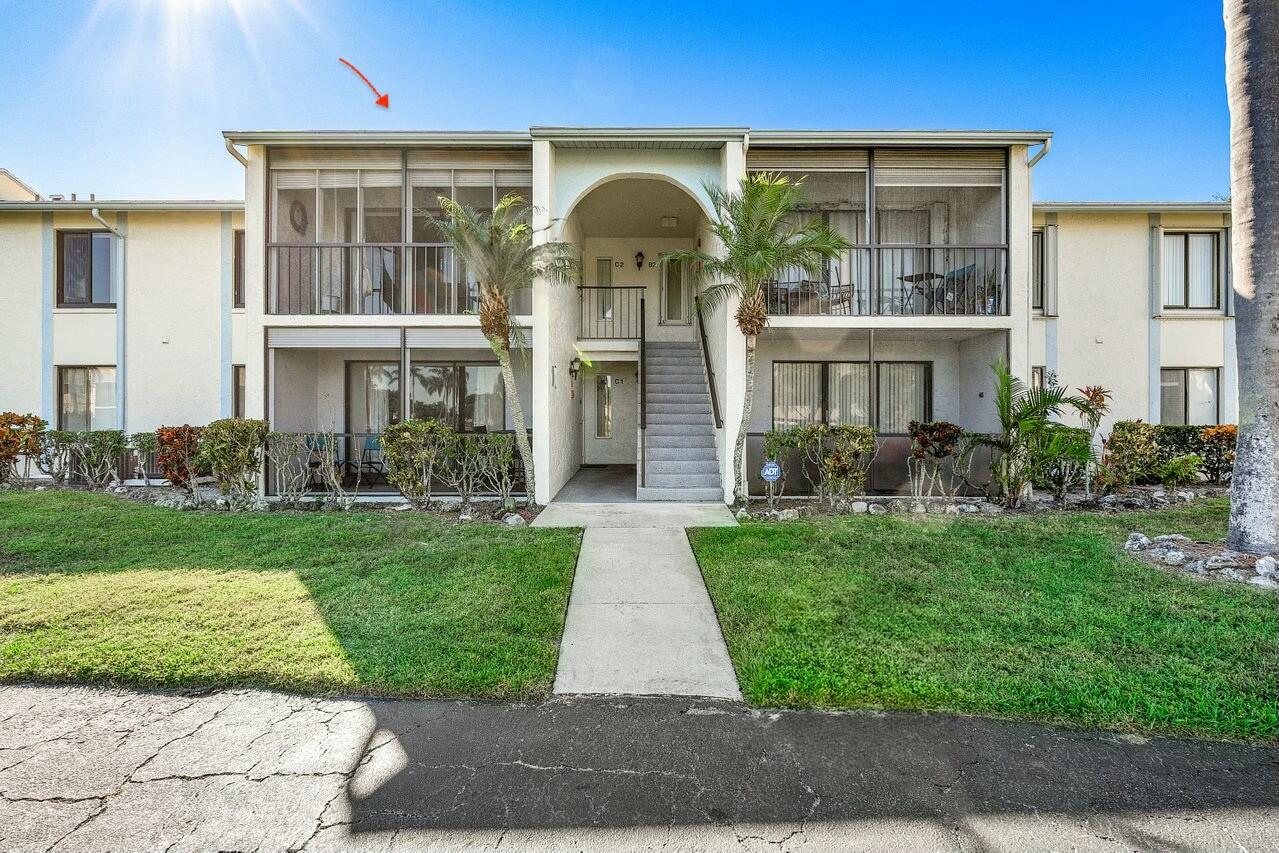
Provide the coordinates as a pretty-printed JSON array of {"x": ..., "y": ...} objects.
[{"x": 96, "y": 769}]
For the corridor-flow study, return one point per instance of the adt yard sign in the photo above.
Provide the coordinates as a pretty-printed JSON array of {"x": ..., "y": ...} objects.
[{"x": 771, "y": 472}]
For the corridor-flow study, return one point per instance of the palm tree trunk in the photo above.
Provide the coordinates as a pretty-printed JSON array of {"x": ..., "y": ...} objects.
[
  {"x": 1252, "y": 66},
  {"x": 739, "y": 447},
  {"x": 503, "y": 351}
]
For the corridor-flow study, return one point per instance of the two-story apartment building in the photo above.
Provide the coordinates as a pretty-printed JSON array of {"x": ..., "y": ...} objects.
[{"x": 327, "y": 301}]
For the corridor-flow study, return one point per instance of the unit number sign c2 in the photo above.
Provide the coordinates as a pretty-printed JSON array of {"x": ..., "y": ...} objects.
[{"x": 771, "y": 472}]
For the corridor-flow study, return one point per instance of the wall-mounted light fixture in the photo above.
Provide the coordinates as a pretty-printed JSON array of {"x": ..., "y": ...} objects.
[
  {"x": 574, "y": 367},
  {"x": 639, "y": 260}
]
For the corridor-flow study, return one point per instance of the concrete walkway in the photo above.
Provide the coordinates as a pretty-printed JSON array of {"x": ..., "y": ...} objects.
[
  {"x": 105, "y": 770},
  {"x": 640, "y": 621}
]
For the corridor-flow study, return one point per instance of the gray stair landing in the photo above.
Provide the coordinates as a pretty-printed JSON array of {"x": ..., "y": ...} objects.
[{"x": 679, "y": 441}]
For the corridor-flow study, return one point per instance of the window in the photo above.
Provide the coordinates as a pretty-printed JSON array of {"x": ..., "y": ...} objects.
[
  {"x": 237, "y": 399},
  {"x": 1188, "y": 395},
  {"x": 467, "y": 397},
  {"x": 838, "y": 392},
  {"x": 603, "y": 406},
  {"x": 373, "y": 395},
  {"x": 237, "y": 266},
  {"x": 1037, "y": 377},
  {"x": 84, "y": 269},
  {"x": 86, "y": 398},
  {"x": 1037, "y": 269},
  {"x": 1190, "y": 270},
  {"x": 675, "y": 299},
  {"x": 604, "y": 278}
]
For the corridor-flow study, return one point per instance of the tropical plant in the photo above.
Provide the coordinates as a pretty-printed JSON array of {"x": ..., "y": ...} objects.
[
  {"x": 464, "y": 463},
  {"x": 178, "y": 456},
  {"x": 331, "y": 467},
  {"x": 932, "y": 444},
  {"x": 98, "y": 455},
  {"x": 1180, "y": 470},
  {"x": 846, "y": 464},
  {"x": 776, "y": 443},
  {"x": 1062, "y": 458},
  {"x": 1098, "y": 405},
  {"x": 288, "y": 456},
  {"x": 810, "y": 440},
  {"x": 497, "y": 455},
  {"x": 231, "y": 448},
  {"x": 1023, "y": 413},
  {"x": 143, "y": 445},
  {"x": 1132, "y": 452},
  {"x": 499, "y": 249},
  {"x": 759, "y": 234},
  {"x": 1252, "y": 66},
  {"x": 1218, "y": 451},
  {"x": 57, "y": 455},
  {"x": 414, "y": 452},
  {"x": 20, "y": 437}
]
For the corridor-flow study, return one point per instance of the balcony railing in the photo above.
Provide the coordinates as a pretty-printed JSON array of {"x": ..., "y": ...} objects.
[
  {"x": 919, "y": 281},
  {"x": 372, "y": 279},
  {"x": 610, "y": 313}
]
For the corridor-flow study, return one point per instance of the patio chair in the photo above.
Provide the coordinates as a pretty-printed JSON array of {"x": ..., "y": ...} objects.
[{"x": 372, "y": 468}]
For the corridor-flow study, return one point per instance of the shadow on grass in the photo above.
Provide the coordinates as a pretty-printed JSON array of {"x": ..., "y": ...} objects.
[{"x": 97, "y": 588}]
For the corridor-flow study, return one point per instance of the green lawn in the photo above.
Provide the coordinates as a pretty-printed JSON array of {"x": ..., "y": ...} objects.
[
  {"x": 94, "y": 588},
  {"x": 1037, "y": 617}
]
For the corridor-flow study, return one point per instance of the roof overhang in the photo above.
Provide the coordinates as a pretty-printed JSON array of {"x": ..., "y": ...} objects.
[
  {"x": 639, "y": 137},
  {"x": 388, "y": 138},
  {"x": 1132, "y": 206},
  {"x": 889, "y": 138},
  {"x": 124, "y": 205}
]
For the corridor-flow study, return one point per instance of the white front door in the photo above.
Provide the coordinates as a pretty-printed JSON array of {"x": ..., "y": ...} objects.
[{"x": 610, "y": 413}]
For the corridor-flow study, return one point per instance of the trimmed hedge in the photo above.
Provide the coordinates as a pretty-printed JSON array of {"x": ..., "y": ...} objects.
[{"x": 1139, "y": 453}]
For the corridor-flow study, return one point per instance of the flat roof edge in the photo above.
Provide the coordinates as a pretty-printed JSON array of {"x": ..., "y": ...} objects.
[
  {"x": 1133, "y": 206},
  {"x": 45, "y": 204},
  {"x": 379, "y": 137},
  {"x": 900, "y": 137}
]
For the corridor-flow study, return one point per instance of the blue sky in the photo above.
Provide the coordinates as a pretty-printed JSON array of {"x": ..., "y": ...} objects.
[{"x": 127, "y": 98}]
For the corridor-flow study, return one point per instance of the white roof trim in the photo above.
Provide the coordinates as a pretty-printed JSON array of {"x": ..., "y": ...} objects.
[
  {"x": 1133, "y": 206},
  {"x": 106, "y": 204},
  {"x": 854, "y": 138},
  {"x": 403, "y": 138}
]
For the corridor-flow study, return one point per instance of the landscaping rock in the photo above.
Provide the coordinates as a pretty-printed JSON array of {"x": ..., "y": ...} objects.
[
  {"x": 991, "y": 508},
  {"x": 1195, "y": 567},
  {"x": 404, "y": 507},
  {"x": 786, "y": 515},
  {"x": 1169, "y": 538},
  {"x": 918, "y": 507},
  {"x": 1185, "y": 496},
  {"x": 1267, "y": 567},
  {"x": 1173, "y": 557},
  {"x": 743, "y": 514},
  {"x": 514, "y": 519},
  {"x": 1220, "y": 561},
  {"x": 952, "y": 509},
  {"x": 1231, "y": 575},
  {"x": 1265, "y": 582},
  {"x": 858, "y": 506},
  {"x": 968, "y": 508},
  {"x": 1137, "y": 541},
  {"x": 877, "y": 509}
]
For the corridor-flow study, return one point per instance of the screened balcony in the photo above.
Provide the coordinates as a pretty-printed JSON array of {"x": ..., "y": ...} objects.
[{"x": 363, "y": 241}]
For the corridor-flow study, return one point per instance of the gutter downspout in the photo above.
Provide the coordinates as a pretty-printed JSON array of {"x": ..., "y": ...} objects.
[
  {"x": 235, "y": 152},
  {"x": 1039, "y": 155},
  {"x": 118, "y": 279}
]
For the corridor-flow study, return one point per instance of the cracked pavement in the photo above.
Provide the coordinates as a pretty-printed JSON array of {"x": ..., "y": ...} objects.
[{"x": 98, "y": 769}]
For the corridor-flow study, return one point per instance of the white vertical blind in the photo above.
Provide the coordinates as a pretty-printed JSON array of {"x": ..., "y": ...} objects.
[
  {"x": 903, "y": 389},
  {"x": 797, "y": 393},
  {"x": 1203, "y": 272},
  {"x": 848, "y": 393},
  {"x": 1201, "y": 396},
  {"x": 1174, "y": 269},
  {"x": 1172, "y": 396}
]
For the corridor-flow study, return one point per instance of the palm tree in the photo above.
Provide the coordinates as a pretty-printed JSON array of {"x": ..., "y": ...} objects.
[
  {"x": 1023, "y": 415},
  {"x": 1252, "y": 66},
  {"x": 498, "y": 250},
  {"x": 759, "y": 234}
]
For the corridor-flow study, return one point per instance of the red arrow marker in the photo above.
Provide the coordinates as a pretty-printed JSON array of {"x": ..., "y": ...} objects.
[{"x": 383, "y": 101}]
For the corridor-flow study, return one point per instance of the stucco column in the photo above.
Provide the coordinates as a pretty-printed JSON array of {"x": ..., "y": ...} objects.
[
  {"x": 1019, "y": 251},
  {"x": 543, "y": 382},
  {"x": 255, "y": 361},
  {"x": 734, "y": 169}
]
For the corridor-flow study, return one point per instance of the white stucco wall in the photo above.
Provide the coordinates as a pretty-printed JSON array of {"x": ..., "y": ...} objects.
[
  {"x": 21, "y": 377},
  {"x": 649, "y": 276}
]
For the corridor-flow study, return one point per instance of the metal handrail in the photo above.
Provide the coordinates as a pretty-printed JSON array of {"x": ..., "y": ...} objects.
[
  {"x": 621, "y": 304},
  {"x": 706, "y": 362},
  {"x": 643, "y": 389}
]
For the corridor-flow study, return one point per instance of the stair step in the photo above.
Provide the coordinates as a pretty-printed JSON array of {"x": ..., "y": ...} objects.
[
  {"x": 672, "y": 344},
  {"x": 696, "y": 418},
  {"x": 681, "y": 481},
  {"x": 701, "y": 442},
  {"x": 657, "y": 393},
  {"x": 648, "y": 493},
  {"x": 690, "y": 406},
  {"x": 679, "y": 454},
  {"x": 657, "y": 431},
  {"x": 683, "y": 466}
]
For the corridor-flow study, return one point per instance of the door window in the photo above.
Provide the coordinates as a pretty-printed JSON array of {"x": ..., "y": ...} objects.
[{"x": 674, "y": 293}]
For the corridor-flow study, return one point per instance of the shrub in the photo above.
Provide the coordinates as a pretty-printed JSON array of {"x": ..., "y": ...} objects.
[
  {"x": 464, "y": 462},
  {"x": 231, "y": 449},
  {"x": 776, "y": 443},
  {"x": 1217, "y": 446},
  {"x": 19, "y": 441},
  {"x": 931, "y": 444},
  {"x": 143, "y": 444},
  {"x": 1132, "y": 452},
  {"x": 99, "y": 453},
  {"x": 1177, "y": 440},
  {"x": 810, "y": 440},
  {"x": 846, "y": 464},
  {"x": 57, "y": 456},
  {"x": 1180, "y": 470},
  {"x": 1060, "y": 458},
  {"x": 288, "y": 459},
  {"x": 178, "y": 455},
  {"x": 414, "y": 452},
  {"x": 497, "y": 458}
]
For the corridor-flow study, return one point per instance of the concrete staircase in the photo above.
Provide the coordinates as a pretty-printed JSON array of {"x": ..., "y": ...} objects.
[{"x": 679, "y": 443}]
